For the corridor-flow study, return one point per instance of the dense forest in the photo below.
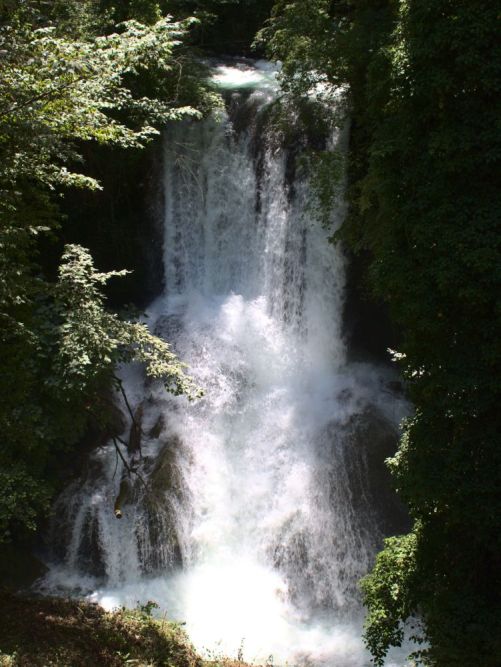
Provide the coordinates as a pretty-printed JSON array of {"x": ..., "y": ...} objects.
[{"x": 85, "y": 89}]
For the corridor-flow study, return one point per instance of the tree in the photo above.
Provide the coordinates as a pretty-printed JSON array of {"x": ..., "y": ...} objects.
[
  {"x": 63, "y": 82},
  {"x": 423, "y": 81}
]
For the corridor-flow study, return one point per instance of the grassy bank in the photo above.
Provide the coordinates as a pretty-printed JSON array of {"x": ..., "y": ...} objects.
[{"x": 52, "y": 632}]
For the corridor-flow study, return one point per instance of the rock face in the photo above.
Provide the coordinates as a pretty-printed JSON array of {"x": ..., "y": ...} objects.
[
  {"x": 147, "y": 493},
  {"x": 112, "y": 423},
  {"x": 372, "y": 440},
  {"x": 165, "y": 495},
  {"x": 122, "y": 224},
  {"x": 367, "y": 326},
  {"x": 356, "y": 508}
]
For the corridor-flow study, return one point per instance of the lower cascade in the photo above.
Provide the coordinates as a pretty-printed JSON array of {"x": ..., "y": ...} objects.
[{"x": 256, "y": 509}]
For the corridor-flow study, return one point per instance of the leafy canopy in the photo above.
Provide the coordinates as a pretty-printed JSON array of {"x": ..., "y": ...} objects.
[{"x": 69, "y": 75}]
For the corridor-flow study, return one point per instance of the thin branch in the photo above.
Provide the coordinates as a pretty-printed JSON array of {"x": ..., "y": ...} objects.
[
  {"x": 130, "y": 471},
  {"x": 126, "y": 400},
  {"x": 116, "y": 465}
]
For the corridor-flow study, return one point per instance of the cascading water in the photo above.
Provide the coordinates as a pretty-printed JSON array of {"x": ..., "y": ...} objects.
[{"x": 255, "y": 513}]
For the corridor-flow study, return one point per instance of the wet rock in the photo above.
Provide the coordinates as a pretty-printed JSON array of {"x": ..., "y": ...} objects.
[
  {"x": 292, "y": 556},
  {"x": 157, "y": 428},
  {"x": 122, "y": 224},
  {"x": 111, "y": 423},
  {"x": 166, "y": 475},
  {"x": 115, "y": 421},
  {"x": 395, "y": 387},
  {"x": 168, "y": 327},
  {"x": 90, "y": 553},
  {"x": 322, "y": 557},
  {"x": 160, "y": 542},
  {"x": 367, "y": 326},
  {"x": 371, "y": 440}
]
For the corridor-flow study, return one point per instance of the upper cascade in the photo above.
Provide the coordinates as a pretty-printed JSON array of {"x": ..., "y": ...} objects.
[{"x": 258, "y": 75}]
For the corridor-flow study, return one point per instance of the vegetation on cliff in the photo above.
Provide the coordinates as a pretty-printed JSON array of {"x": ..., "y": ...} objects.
[{"x": 421, "y": 82}]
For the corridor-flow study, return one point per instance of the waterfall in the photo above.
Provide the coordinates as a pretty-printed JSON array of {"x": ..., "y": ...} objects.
[{"x": 257, "y": 509}]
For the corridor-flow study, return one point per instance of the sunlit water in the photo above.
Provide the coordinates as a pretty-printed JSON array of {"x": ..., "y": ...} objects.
[{"x": 257, "y": 519}]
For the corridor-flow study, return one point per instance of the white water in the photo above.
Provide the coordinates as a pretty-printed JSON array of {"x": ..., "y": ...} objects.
[{"x": 259, "y": 519}]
